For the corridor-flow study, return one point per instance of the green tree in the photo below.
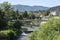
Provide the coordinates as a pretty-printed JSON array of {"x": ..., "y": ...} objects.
[
  {"x": 48, "y": 31},
  {"x": 5, "y": 14},
  {"x": 14, "y": 16},
  {"x": 6, "y": 8},
  {"x": 3, "y": 21},
  {"x": 17, "y": 14},
  {"x": 17, "y": 25},
  {"x": 25, "y": 14},
  {"x": 20, "y": 17},
  {"x": 31, "y": 16},
  {"x": 46, "y": 13},
  {"x": 10, "y": 25},
  {"x": 11, "y": 14}
]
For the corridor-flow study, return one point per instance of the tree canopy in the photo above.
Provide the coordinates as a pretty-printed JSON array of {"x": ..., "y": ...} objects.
[{"x": 48, "y": 31}]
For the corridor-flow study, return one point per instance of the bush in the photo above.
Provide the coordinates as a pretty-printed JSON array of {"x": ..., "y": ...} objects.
[
  {"x": 11, "y": 36},
  {"x": 7, "y": 35},
  {"x": 17, "y": 25},
  {"x": 48, "y": 31}
]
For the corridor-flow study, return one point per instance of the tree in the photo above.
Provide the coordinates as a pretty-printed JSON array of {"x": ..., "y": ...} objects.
[
  {"x": 48, "y": 31},
  {"x": 46, "y": 13},
  {"x": 25, "y": 14},
  {"x": 6, "y": 8},
  {"x": 31, "y": 16},
  {"x": 11, "y": 14},
  {"x": 10, "y": 25},
  {"x": 17, "y": 25},
  {"x": 14, "y": 15},
  {"x": 3, "y": 21},
  {"x": 20, "y": 17},
  {"x": 4, "y": 15},
  {"x": 17, "y": 14}
]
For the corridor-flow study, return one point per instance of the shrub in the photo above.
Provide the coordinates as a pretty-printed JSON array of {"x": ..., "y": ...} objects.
[
  {"x": 48, "y": 31},
  {"x": 7, "y": 35}
]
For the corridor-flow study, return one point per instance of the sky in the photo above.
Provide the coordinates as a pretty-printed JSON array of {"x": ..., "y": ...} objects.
[{"x": 46, "y": 3}]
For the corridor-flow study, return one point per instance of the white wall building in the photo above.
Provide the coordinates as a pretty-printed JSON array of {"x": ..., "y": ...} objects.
[{"x": 55, "y": 13}]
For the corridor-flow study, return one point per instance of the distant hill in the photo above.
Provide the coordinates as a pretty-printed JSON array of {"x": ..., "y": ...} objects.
[
  {"x": 28, "y": 8},
  {"x": 54, "y": 8}
]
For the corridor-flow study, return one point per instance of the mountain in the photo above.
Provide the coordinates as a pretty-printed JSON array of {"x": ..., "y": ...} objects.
[
  {"x": 54, "y": 8},
  {"x": 28, "y": 8}
]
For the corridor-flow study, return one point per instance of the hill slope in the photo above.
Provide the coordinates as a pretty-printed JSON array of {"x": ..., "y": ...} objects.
[
  {"x": 55, "y": 8},
  {"x": 28, "y": 8}
]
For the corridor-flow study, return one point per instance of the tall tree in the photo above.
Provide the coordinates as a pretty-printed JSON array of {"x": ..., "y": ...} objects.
[
  {"x": 31, "y": 16},
  {"x": 6, "y": 8},
  {"x": 46, "y": 13},
  {"x": 3, "y": 21},
  {"x": 4, "y": 15},
  {"x": 17, "y": 26},
  {"x": 25, "y": 14},
  {"x": 17, "y": 14}
]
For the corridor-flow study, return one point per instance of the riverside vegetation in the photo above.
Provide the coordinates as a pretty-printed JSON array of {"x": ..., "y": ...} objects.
[
  {"x": 10, "y": 30},
  {"x": 48, "y": 31}
]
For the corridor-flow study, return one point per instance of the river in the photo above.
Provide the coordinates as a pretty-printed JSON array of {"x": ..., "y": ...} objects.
[{"x": 25, "y": 36}]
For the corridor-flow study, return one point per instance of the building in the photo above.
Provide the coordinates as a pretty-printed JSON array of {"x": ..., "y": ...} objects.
[{"x": 55, "y": 13}]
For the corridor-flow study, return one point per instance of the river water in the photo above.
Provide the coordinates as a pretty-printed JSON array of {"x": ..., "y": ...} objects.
[{"x": 25, "y": 36}]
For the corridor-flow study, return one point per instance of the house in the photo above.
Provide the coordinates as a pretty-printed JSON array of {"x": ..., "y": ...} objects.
[{"x": 55, "y": 13}]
